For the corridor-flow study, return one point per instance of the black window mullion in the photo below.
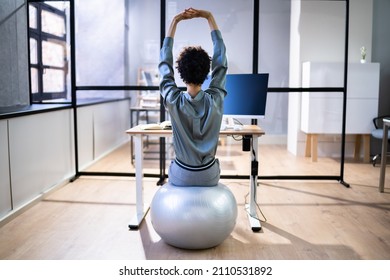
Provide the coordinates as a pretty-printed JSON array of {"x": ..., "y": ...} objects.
[{"x": 38, "y": 96}]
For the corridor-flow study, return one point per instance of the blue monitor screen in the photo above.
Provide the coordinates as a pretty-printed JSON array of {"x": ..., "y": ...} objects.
[{"x": 246, "y": 95}]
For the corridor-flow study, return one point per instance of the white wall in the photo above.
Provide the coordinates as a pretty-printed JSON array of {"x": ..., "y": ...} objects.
[
  {"x": 101, "y": 128},
  {"x": 85, "y": 136},
  {"x": 360, "y": 32},
  {"x": 13, "y": 54},
  {"x": 5, "y": 187},
  {"x": 293, "y": 124}
]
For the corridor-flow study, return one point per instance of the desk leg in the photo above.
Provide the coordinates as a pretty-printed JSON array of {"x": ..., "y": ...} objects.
[
  {"x": 251, "y": 206},
  {"x": 141, "y": 209},
  {"x": 383, "y": 157}
]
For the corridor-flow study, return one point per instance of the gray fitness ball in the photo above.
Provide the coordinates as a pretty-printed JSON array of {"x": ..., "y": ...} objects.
[{"x": 193, "y": 217}]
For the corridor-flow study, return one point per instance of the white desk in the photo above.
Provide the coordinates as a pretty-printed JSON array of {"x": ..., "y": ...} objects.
[
  {"x": 386, "y": 124},
  {"x": 142, "y": 209}
]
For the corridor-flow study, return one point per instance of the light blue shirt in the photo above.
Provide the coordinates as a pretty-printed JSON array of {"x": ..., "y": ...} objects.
[{"x": 195, "y": 121}]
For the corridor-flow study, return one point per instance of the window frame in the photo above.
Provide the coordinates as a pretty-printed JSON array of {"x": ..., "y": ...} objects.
[{"x": 40, "y": 36}]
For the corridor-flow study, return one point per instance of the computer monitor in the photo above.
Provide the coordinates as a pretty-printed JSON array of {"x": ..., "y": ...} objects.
[{"x": 246, "y": 95}]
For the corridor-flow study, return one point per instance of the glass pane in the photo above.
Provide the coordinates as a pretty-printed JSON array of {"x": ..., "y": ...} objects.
[
  {"x": 33, "y": 51},
  {"x": 274, "y": 41},
  {"x": 315, "y": 154},
  {"x": 32, "y": 16},
  {"x": 101, "y": 42},
  {"x": 53, "y": 80},
  {"x": 316, "y": 34},
  {"x": 234, "y": 19},
  {"x": 275, "y": 121},
  {"x": 143, "y": 53},
  {"x": 53, "y": 54},
  {"x": 53, "y": 24},
  {"x": 34, "y": 80}
]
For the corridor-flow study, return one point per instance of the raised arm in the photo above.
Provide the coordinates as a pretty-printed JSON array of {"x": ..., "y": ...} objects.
[{"x": 176, "y": 19}]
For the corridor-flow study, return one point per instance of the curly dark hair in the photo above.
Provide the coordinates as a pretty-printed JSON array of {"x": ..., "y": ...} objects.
[{"x": 193, "y": 65}]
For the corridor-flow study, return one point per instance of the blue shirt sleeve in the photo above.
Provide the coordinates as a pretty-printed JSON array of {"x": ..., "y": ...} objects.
[
  {"x": 167, "y": 83},
  {"x": 219, "y": 64}
]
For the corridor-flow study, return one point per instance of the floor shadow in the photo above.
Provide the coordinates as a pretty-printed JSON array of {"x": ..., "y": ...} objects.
[
  {"x": 243, "y": 244},
  {"x": 337, "y": 200}
]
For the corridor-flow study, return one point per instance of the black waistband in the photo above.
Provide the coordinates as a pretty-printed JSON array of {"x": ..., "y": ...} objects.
[{"x": 195, "y": 168}]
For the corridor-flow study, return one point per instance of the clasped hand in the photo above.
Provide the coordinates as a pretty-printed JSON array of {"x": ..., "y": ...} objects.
[{"x": 192, "y": 13}]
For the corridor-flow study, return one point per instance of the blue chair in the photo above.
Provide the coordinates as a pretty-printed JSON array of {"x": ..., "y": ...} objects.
[{"x": 378, "y": 134}]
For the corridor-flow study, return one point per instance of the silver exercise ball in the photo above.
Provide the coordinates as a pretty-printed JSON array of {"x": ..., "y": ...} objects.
[{"x": 193, "y": 217}]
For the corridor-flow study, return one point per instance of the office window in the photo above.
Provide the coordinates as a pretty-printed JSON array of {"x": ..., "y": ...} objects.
[{"x": 49, "y": 55}]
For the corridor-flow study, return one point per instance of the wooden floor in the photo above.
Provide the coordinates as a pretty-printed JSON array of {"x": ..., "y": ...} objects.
[{"x": 88, "y": 219}]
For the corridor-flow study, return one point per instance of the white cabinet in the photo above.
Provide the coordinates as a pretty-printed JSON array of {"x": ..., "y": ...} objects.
[
  {"x": 41, "y": 154},
  {"x": 37, "y": 150},
  {"x": 322, "y": 112}
]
